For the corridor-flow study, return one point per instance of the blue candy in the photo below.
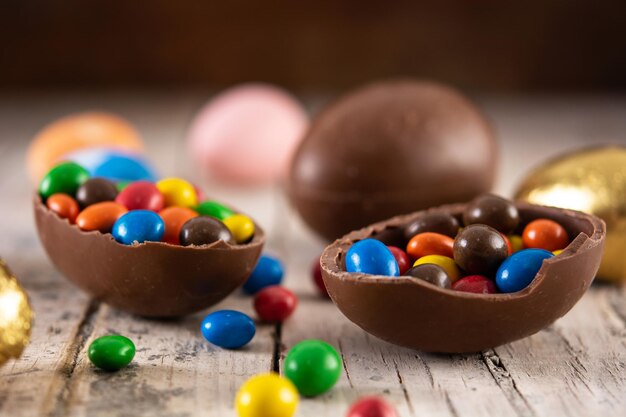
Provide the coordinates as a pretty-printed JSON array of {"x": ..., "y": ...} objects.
[
  {"x": 113, "y": 165},
  {"x": 268, "y": 271},
  {"x": 519, "y": 269},
  {"x": 229, "y": 329},
  {"x": 371, "y": 256},
  {"x": 138, "y": 226}
]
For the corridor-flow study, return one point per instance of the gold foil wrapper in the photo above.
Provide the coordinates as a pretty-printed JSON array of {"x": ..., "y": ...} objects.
[
  {"x": 591, "y": 180},
  {"x": 16, "y": 316}
]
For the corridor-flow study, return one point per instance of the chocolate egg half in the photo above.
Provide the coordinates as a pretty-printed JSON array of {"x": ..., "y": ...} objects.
[
  {"x": 390, "y": 148},
  {"x": 153, "y": 279},
  {"x": 413, "y": 313}
]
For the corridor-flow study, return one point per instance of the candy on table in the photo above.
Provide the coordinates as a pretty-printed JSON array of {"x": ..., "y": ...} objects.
[
  {"x": 444, "y": 262},
  {"x": 480, "y": 249},
  {"x": 275, "y": 303},
  {"x": 432, "y": 273},
  {"x": 313, "y": 366},
  {"x": 316, "y": 274},
  {"x": 545, "y": 234},
  {"x": 228, "y": 329},
  {"x": 429, "y": 243},
  {"x": 494, "y": 211},
  {"x": 100, "y": 216},
  {"x": 63, "y": 178},
  {"x": 519, "y": 269},
  {"x": 112, "y": 352},
  {"x": 95, "y": 190},
  {"x": 213, "y": 209},
  {"x": 138, "y": 226},
  {"x": 476, "y": 284},
  {"x": 442, "y": 223},
  {"x": 64, "y": 206},
  {"x": 371, "y": 407},
  {"x": 401, "y": 258},
  {"x": 267, "y": 395},
  {"x": 174, "y": 218},
  {"x": 177, "y": 192},
  {"x": 241, "y": 226},
  {"x": 203, "y": 230},
  {"x": 268, "y": 271},
  {"x": 370, "y": 256},
  {"x": 141, "y": 195}
]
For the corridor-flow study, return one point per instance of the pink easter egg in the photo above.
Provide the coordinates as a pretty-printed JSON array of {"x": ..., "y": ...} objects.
[{"x": 247, "y": 134}]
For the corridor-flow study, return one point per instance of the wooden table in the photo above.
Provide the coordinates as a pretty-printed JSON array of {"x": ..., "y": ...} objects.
[{"x": 576, "y": 367}]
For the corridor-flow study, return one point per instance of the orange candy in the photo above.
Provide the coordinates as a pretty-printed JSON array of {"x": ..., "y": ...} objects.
[
  {"x": 545, "y": 234},
  {"x": 174, "y": 218},
  {"x": 429, "y": 243},
  {"x": 100, "y": 216},
  {"x": 64, "y": 206}
]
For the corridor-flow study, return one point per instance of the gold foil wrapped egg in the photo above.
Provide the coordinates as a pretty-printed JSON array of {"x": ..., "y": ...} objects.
[
  {"x": 591, "y": 180},
  {"x": 16, "y": 316}
]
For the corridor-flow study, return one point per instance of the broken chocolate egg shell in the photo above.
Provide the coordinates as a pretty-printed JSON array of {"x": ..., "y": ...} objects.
[
  {"x": 152, "y": 279},
  {"x": 416, "y": 314}
]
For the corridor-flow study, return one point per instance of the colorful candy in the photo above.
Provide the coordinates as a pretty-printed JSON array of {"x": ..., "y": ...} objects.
[
  {"x": 141, "y": 195},
  {"x": 174, "y": 218},
  {"x": 64, "y": 206},
  {"x": 267, "y": 395},
  {"x": 494, "y": 211},
  {"x": 177, "y": 192},
  {"x": 444, "y": 262},
  {"x": 228, "y": 329},
  {"x": 429, "y": 243},
  {"x": 371, "y": 407},
  {"x": 313, "y": 366},
  {"x": 95, "y": 190},
  {"x": 214, "y": 209},
  {"x": 64, "y": 178},
  {"x": 118, "y": 166},
  {"x": 519, "y": 269},
  {"x": 241, "y": 226},
  {"x": 138, "y": 226},
  {"x": 100, "y": 216},
  {"x": 316, "y": 273},
  {"x": 112, "y": 352},
  {"x": 432, "y": 273},
  {"x": 401, "y": 258},
  {"x": 438, "y": 222},
  {"x": 203, "y": 230},
  {"x": 268, "y": 271},
  {"x": 545, "y": 234},
  {"x": 476, "y": 284},
  {"x": 516, "y": 243},
  {"x": 275, "y": 303},
  {"x": 370, "y": 256},
  {"x": 480, "y": 249}
]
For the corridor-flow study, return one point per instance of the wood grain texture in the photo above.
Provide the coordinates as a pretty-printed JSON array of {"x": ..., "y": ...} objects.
[{"x": 576, "y": 367}]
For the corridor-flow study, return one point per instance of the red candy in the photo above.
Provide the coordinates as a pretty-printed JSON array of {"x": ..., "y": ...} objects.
[
  {"x": 316, "y": 272},
  {"x": 141, "y": 195},
  {"x": 545, "y": 234},
  {"x": 476, "y": 284},
  {"x": 429, "y": 243},
  {"x": 275, "y": 303},
  {"x": 64, "y": 206},
  {"x": 401, "y": 258},
  {"x": 371, "y": 407}
]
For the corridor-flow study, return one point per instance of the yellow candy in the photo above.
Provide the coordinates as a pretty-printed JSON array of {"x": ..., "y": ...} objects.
[
  {"x": 241, "y": 227},
  {"x": 267, "y": 395},
  {"x": 445, "y": 262},
  {"x": 177, "y": 192},
  {"x": 557, "y": 252},
  {"x": 516, "y": 243}
]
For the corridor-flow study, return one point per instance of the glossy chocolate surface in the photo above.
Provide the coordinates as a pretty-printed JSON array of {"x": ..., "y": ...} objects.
[
  {"x": 204, "y": 230},
  {"x": 492, "y": 210},
  {"x": 432, "y": 273},
  {"x": 412, "y": 313},
  {"x": 480, "y": 249},
  {"x": 95, "y": 190},
  {"x": 441, "y": 223}
]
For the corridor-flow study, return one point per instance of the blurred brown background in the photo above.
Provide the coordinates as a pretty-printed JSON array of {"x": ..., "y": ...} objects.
[{"x": 486, "y": 45}]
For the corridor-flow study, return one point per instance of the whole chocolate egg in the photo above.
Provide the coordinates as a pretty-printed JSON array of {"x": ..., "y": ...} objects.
[{"x": 389, "y": 148}]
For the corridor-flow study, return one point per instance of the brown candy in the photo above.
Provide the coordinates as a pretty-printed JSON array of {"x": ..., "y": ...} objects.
[
  {"x": 432, "y": 273},
  {"x": 441, "y": 223},
  {"x": 203, "y": 230},
  {"x": 95, "y": 190},
  {"x": 480, "y": 249},
  {"x": 494, "y": 211}
]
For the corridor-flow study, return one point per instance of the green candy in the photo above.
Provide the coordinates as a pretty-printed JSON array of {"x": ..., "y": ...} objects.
[
  {"x": 214, "y": 209},
  {"x": 63, "y": 178},
  {"x": 313, "y": 366},
  {"x": 121, "y": 185},
  {"x": 112, "y": 352}
]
